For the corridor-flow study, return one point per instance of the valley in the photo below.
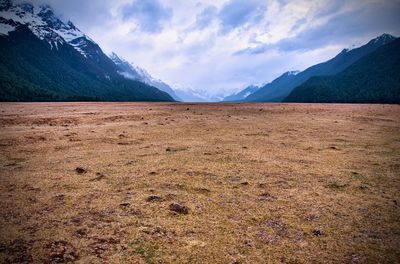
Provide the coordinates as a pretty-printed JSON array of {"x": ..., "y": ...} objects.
[{"x": 199, "y": 183}]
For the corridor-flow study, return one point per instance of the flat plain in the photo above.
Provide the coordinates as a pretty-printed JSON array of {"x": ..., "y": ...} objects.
[{"x": 249, "y": 183}]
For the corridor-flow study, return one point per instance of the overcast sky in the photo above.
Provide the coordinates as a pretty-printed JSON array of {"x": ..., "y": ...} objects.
[{"x": 223, "y": 45}]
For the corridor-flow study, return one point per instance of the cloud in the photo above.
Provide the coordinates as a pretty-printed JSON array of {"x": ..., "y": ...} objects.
[
  {"x": 148, "y": 14},
  {"x": 237, "y": 13},
  {"x": 371, "y": 19},
  {"x": 205, "y": 18}
]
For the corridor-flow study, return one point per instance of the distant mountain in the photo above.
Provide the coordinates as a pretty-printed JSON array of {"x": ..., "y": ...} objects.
[
  {"x": 278, "y": 89},
  {"x": 190, "y": 95},
  {"x": 242, "y": 94},
  {"x": 131, "y": 71},
  {"x": 45, "y": 59},
  {"x": 374, "y": 78}
]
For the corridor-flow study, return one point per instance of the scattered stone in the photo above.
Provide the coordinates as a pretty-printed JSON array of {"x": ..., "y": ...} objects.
[
  {"x": 80, "y": 170},
  {"x": 152, "y": 173},
  {"x": 82, "y": 232},
  {"x": 245, "y": 183},
  {"x": 168, "y": 149},
  {"x": 62, "y": 252},
  {"x": 204, "y": 190},
  {"x": 125, "y": 204},
  {"x": 99, "y": 249},
  {"x": 178, "y": 208},
  {"x": 154, "y": 198},
  {"x": 187, "y": 109},
  {"x": 266, "y": 197},
  {"x": 317, "y": 232},
  {"x": 99, "y": 176},
  {"x": 395, "y": 202}
]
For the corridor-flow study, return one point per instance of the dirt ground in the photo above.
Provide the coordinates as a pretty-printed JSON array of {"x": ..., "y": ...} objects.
[{"x": 199, "y": 183}]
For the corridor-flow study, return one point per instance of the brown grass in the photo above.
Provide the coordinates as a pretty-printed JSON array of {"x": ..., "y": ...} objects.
[{"x": 263, "y": 183}]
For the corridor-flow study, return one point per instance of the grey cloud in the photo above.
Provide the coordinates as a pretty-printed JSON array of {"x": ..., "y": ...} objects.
[
  {"x": 205, "y": 18},
  {"x": 374, "y": 19},
  {"x": 150, "y": 15},
  {"x": 236, "y": 13}
]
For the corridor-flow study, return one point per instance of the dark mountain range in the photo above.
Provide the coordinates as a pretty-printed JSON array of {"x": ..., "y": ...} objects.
[
  {"x": 281, "y": 87},
  {"x": 45, "y": 59},
  {"x": 375, "y": 78}
]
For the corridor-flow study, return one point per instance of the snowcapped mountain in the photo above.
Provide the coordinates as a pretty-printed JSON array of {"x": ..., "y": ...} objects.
[
  {"x": 241, "y": 94},
  {"x": 282, "y": 86},
  {"x": 42, "y": 21},
  {"x": 45, "y": 58},
  {"x": 131, "y": 71}
]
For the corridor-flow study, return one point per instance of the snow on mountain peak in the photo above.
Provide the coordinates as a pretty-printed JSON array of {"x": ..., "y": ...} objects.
[{"x": 43, "y": 22}]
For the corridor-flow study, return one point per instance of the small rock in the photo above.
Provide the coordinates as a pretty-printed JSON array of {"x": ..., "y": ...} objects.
[
  {"x": 125, "y": 204},
  {"x": 178, "y": 208},
  {"x": 82, "y": 232},
  {"x": 317, "y": 232},
  {"x": 168, "y": 149},
  {"x": 244, "y": 183},
  {"x": 62, "y": 252},
  {"x": 187, "y": 109},
  {"x": 154, "y": 198},
  {"x": 99, "y": 176},
  {"x": 80, "y": 170}
]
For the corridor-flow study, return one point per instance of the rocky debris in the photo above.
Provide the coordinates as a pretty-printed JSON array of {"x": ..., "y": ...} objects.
[
  {"x": 168, "y": 149},
  {"x": 81, "y": 232},
  {"x": 99, "y": 176},
  {"x": 266, "y": 197},
  {"x": 154, "y": 198},
  {"x": 178, "y": 208},
  {"x": 317, "y": 232},
  {"x": 102, "y": 245},
  {"x": 311, "y": 217},
  {"x": 80, "y": 170},
  {"x": 245, "y": 183},
  {"x": 124, "y": 204},
  {"x": 122, "y": 136},
  {"x": 62, "y": 252}
]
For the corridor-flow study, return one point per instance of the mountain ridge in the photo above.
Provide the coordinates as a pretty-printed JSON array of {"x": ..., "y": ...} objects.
[
  {"x": 372, "y": 79},
  {"x": 47, "y": 59},
  {"x": 279, "y": 88}
]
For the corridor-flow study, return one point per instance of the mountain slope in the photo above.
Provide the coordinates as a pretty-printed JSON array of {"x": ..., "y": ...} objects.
[
  {"x": 133, "y": 72},
  {"x": 44, "y": 59},
  {"x": 281, "y": 87},
  {"x": 242, "y": 94},
  {"x": 374, "y": 78}
]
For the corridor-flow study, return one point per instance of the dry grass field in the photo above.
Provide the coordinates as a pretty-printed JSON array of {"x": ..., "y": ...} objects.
[{"x": 199, "y": 183}]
